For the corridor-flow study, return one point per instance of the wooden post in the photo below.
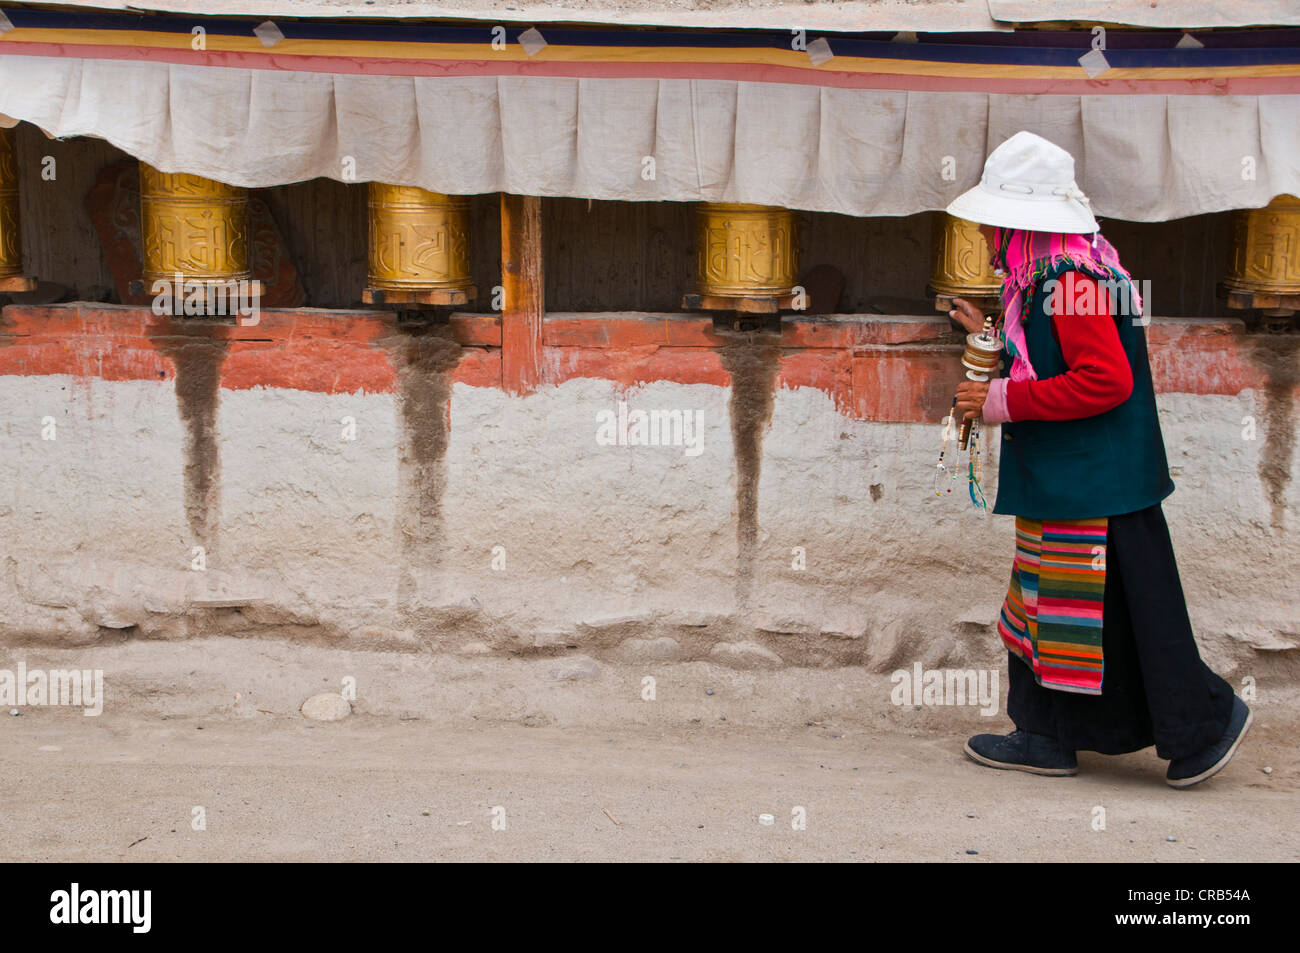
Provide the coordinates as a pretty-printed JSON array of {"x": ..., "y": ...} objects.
[{"x": 523, "y": 306}]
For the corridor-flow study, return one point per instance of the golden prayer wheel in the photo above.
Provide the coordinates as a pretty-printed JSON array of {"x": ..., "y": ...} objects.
[
  {"x": 419, "y": 240},
  {"x": 745, "y": 250},
  {"x": 1266, "y": 248},
  {"x": 11, "y": 245},
  {"x": 193, "y": 226},
  {"x": 961, "y": 261}
]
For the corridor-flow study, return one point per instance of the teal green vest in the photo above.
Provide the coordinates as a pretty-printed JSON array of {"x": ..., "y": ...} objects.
[{"x": 1105, "y": 465}]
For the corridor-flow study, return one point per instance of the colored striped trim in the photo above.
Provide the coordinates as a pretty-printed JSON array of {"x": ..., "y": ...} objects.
[
  {"x": 1247, "y": 62},
  {"x": 1052, "y": 614}
]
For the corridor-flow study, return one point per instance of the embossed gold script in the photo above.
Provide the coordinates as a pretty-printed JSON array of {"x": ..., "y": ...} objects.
[
  {"x": 961, "y": 261},
  {"x": 418, "y": 239},
  {"x": 745, "y": 249},
  {"x": 193, "y": 226}
]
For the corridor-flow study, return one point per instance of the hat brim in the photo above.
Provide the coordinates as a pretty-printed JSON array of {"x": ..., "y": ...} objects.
[{"x": 1030, "y": 214}]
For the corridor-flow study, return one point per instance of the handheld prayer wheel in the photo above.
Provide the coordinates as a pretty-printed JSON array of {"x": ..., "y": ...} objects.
[
  {"x": 11, "y": 245},
  {"x": 961, "y": 263},
  {"x": 745, "y": 250},
  {"x": 192, "y": 226},
  {"x": 419, "y": 240},
  {"x": 980, "y": 359},
  {"x": 1264, "y": 267}
]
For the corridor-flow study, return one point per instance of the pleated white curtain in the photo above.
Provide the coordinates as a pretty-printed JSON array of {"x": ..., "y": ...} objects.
[{"x": 857, "y": 152}]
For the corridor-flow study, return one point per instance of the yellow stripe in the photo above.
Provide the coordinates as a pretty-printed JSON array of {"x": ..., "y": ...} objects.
[{"x": 554, "y": 53}]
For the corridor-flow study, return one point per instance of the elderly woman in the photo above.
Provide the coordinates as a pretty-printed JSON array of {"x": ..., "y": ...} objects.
[{"x": 1101, "y": 652}]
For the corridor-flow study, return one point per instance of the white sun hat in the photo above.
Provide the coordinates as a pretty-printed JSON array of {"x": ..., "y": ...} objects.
[{"x": 1028, "y": 183}]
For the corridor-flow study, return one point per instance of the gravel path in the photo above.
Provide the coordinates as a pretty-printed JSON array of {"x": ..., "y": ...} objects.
[{"x": 580, "y": 769}]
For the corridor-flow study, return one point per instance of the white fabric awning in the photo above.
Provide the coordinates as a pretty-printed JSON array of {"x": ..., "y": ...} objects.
[{"x": 854, "y": 151}]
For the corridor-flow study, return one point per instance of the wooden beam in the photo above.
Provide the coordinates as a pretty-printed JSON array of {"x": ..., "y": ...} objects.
[{"x": 523, "y": 307}]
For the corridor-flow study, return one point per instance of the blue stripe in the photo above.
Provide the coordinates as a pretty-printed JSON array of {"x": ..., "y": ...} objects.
[{"x": 1127, "y": 50}]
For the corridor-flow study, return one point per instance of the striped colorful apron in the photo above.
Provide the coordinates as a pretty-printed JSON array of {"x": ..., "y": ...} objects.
[{"x": 1052, "y": 614}]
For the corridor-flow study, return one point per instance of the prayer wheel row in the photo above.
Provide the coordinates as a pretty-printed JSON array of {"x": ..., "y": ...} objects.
[
  {"x": 751, "y": 250},
  {"x": 420, "y": 241},
  {"x": 198, "y": 228},
  {"x": 1263, "y": 270}
]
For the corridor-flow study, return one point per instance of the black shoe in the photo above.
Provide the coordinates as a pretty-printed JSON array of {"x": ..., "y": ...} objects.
[
  {"x": 1021, "y": 751},
  {"x": 1184, "y": 772}
]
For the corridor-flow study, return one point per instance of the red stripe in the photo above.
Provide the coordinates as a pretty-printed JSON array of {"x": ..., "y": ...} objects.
[
  {"x": 1219, "y": 86},
  {"x": 1090, "y": 604},
  {"x": 345, "y": 351}
]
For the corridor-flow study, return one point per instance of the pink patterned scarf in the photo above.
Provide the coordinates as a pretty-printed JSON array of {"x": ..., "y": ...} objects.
[{"x": 1026, "y": 257}]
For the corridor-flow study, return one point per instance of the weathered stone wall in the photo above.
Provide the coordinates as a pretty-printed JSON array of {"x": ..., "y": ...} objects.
[{"x": 462, "y": 518}]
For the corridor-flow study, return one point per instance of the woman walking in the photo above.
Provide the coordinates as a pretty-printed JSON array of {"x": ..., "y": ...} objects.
[{"x": 1100, "y": 649}]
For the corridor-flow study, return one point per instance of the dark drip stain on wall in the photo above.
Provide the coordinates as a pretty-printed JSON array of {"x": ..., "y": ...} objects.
[
  {"x": 1278, "y": 357},
  {"x": 426, "y": 359},
  {"x": 753, "y": 366},
  {"x": 197, "y": 354}
]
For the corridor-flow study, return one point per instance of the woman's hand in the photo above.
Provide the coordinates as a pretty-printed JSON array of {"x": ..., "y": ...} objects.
[
  {"x": 970, "y": 398},
  {"x": 967, "y": 315}
]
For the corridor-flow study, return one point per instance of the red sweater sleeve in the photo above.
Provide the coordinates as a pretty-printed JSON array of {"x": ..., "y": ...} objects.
[{"x": 1099, "y": 377}]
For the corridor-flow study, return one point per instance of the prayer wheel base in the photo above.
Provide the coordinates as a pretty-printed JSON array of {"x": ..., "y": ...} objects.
[
  {"x": 18, "y": 283},
  {"x": 1262, "y": 300},
  {"x": 430, "y": 297},
  {"x": 745, "y": 304},
  {"x": 986, "y": 303},
  {"x": 1276, "y": 311},
  {"x": 221, "y": 289}
]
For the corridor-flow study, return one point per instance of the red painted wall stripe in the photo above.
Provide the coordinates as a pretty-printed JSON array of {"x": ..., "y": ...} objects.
[{"x": 885, "y": 369}]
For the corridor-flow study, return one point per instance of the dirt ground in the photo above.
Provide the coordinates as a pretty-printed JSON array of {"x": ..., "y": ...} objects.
[{"x": 441, "y": 750}]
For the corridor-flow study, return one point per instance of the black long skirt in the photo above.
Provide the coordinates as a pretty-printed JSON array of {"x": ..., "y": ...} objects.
[{"x": 1156, "y": 690}]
